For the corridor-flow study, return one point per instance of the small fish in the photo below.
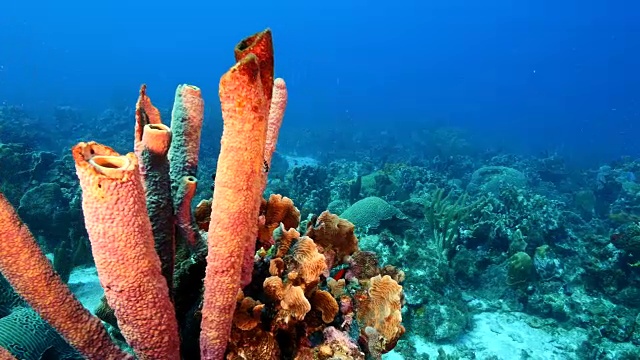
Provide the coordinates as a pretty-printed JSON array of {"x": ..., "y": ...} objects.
[
  {"x": 340, "y": 274},
  {"x": 615, "y": 237}
]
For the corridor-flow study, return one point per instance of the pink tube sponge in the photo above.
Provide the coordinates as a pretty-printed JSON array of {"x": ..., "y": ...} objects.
[
  {"x": 276, "y": 114},
  {"x": 236, "y": 199},
  {"x": 113, "y": 201}
]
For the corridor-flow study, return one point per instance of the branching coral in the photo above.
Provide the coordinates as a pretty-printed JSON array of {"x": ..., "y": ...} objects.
[
  {"x": 293, "y": 299},
  {"x": 443, "y": 215},
  {"x": 297, "y": 300},
  {"x": 292, "y": 286}
]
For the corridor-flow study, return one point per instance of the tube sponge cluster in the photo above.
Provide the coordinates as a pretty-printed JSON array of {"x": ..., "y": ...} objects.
[
  {"x": 133, "y": 204},
  {"x": 138, "y": 216}
]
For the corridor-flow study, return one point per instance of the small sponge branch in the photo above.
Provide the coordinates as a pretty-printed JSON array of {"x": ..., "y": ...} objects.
[{"x": 276, "y": 115}]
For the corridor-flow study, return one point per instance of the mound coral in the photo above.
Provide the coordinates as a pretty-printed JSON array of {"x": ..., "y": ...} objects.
[{"x": 153, "y": 254}]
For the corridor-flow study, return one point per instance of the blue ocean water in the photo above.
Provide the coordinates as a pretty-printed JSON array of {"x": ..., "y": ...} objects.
[
  {"x": 530, "y": 75},
  {"x": 530, "y": 107}
]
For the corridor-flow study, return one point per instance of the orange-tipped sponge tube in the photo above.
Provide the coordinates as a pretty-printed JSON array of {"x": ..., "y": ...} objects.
[
  {"x": 259, "y": 45},
  {"x": 236, "y": 199}
]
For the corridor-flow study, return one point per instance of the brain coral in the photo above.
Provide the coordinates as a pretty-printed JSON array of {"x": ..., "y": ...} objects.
[
  {"x": 31, "y": 338},
  {"x": 493, "y": 179},
  {"x": 370, "y": 212}
]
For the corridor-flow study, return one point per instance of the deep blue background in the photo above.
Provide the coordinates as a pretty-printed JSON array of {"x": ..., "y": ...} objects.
[{"x": 531, "y": 75}]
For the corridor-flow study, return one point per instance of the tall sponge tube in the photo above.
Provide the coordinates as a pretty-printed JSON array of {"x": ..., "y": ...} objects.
[
  {"x": 236, "y": 200},
  {"x": 113, "y": 201}
]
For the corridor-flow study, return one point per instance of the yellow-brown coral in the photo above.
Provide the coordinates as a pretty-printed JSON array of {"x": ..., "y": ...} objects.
[
  {"x": 294, "y": 302},
  {"x": 247, "y": 314},
  {"x": 203, "y": 214},
  {"x": 307, "y": 261},
  {"x": 273, "y": 288},
  {"x": 332, "y": 232},
  {"x": 379, "y": 309},
  {"x": 249, "y": 340},
  {"x": 276, "y": 266},
  {"x": 337, "y": 287},
  {"x": 290, "y": 299},
  {"x": 294, "y": 280},
  {"x": 253, "y": 344},
  {"x": 326, "y": 304},
  {"x": 284, "y": 238},
  {"x": 277, "y": 210}
]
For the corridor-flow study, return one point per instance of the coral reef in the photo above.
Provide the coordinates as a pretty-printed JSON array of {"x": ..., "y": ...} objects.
[{"x": 503, "y": 255}]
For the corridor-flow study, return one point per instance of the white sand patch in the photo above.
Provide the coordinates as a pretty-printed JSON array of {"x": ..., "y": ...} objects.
[{"x": 84, "y": 283}]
